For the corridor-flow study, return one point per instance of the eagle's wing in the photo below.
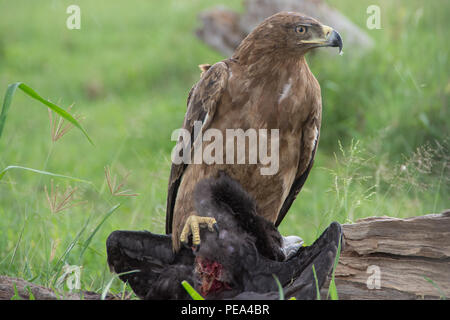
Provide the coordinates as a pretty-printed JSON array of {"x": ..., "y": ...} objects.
[
  {"x": 201, "y": 105},
  {"x": 309, "y": 142}
]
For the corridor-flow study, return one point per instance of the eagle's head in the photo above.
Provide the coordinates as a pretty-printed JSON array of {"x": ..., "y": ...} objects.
[{"x": 288, "y": 33}]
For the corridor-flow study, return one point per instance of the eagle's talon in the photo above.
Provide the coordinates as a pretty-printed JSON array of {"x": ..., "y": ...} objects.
[
  {"x": 192, "y": 226},
  {"x": 216, "y": 227}
]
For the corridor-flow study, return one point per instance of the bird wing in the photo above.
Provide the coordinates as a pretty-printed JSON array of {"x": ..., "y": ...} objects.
[
  {"x": 309, "y": 142},
  {"x": 202, "y": 102}
]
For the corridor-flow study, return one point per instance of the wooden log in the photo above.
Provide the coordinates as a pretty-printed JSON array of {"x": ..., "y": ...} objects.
[
  {"x": 224, "y": 29},
  {"x": 410, "y": 257},
  {"x": 20, "y": 289}
]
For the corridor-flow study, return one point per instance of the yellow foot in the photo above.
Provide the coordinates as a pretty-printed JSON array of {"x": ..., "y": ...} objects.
[{"x": 192, "y": 226}]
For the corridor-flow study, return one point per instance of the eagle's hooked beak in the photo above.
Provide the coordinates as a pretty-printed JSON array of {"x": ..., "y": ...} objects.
[
  {"x": 329, "y": 38},
  {"x": 332, "y": 38}
]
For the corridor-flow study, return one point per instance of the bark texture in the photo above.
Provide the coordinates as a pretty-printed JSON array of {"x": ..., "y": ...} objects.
[{"x": 410, "y": 256}]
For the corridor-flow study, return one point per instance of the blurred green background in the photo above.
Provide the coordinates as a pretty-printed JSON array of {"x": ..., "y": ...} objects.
[{"x": 383, "y": 148}]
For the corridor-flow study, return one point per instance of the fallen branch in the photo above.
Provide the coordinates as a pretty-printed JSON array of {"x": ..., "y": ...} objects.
[
  {"x": 391, "y": 258},
  {"x": 15, "y": 288}
]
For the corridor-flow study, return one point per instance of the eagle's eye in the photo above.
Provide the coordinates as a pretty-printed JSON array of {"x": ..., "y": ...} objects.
[{"x": 301, "y": 29}]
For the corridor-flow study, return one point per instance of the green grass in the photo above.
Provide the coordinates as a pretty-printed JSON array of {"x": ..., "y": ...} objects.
[
  {"x": 129, "y": 70},
  {"x": 191, "y": 291},
  {"x": 33, "y": 94}
]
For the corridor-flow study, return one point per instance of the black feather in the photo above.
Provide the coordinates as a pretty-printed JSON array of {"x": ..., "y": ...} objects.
[{"x": 247, "y": 247}]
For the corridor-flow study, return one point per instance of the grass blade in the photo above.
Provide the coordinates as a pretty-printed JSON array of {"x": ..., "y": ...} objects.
[
  {"x": 441, "y": 293},
  {"x": 33, "y": 94},
  {"x": 332, "y": 290},
  {"x": 280, "y": 288},
  {"x": 317, "y": 283},
  {"x": 2, "y": 173},
  {"x": 58, "y": 266},
  {"x": 17, "y": 245},
  {"x": 7, "y": 103},
  {"x": 110, "y": 282},
  {"x": 192, "y": 292},
  {"x": 16, "y": 295},
  {"x": 30, "y": 293},
  {"x": 88, "y": 241}
]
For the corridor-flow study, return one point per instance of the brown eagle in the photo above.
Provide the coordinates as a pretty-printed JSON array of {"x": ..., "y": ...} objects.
[{"x": 266, "y": 84}]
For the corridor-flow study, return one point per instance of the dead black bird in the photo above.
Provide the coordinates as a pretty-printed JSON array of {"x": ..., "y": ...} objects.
[{"x": 238, "y": 261}]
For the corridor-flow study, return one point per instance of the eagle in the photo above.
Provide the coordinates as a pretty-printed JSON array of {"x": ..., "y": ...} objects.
[{"x": 266, "y": 84}]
